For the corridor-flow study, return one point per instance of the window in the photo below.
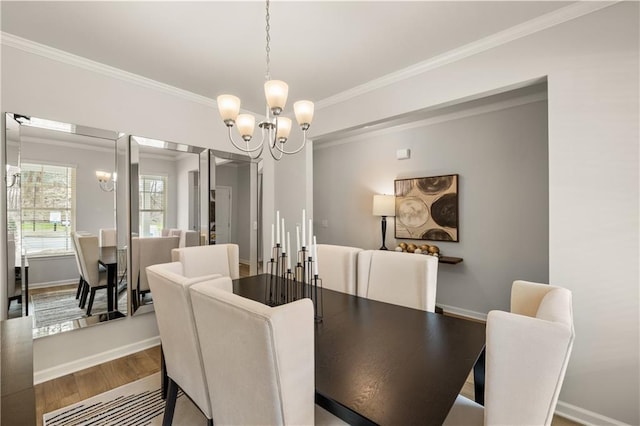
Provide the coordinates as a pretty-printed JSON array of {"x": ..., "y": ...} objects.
[
  {"x": 153, "y": 204},
  {"x": 48, "y": 200}
]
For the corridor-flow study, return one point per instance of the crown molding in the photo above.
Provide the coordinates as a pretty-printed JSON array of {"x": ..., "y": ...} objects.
[
  {"x": 29, "y": 46},
  {"x": 540, "y": 23},
  {"x": 527, "y": 28}
]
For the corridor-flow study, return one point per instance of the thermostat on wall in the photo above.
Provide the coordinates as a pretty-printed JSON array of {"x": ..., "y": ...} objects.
[{"x": 403, "y": 154}]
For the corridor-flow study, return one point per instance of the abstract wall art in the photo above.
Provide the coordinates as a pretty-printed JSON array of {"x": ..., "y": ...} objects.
[{"x": 427, "y": 208}]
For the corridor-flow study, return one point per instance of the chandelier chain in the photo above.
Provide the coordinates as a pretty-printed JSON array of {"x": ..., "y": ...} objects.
[{"x": 268, "y": 48}]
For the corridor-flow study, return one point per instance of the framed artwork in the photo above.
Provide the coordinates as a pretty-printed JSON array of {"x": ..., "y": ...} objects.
[{"x": 427, "y": 208}]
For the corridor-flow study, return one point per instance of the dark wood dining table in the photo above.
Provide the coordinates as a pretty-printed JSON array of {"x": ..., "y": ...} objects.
[
  {"x": 108, "y": 257},
  {"x": 378, "y": 363}
]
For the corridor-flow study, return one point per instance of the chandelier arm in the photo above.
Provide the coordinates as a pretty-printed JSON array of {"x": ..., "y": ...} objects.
[
  {"x": 277, "y": 158},
  {"x": 304, "y": 142},
  {"x": 251, "y": 155},
  {"x": 247, "y": 150}
]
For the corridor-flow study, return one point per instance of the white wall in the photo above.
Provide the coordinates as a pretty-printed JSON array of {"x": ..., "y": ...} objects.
[
  {"x": 592, "y": 68},
  {"x": 501, "y": 158},
  {"x": 43, "y": 87}
]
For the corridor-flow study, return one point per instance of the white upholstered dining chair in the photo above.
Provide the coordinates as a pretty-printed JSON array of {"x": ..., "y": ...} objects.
[
  {"x": 88, "y": 255},
  {"x": 258, "y": 360},
  {"x": 223, "y": 259},
  {"x": 14, "y": 292},
  {"x": 147, "y": 251},
  {"x": 108, "y": 237},
  {"x": 400, "y": 278},
  {"x": 339, "y": 266},
  {"x": 180, "y": 344},
  {"x": 527, "y": 353}
]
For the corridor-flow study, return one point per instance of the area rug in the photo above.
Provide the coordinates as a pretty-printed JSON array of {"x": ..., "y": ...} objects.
[
  {"x": 135, "y": 404},
  {"x": 55, "y": 307}
]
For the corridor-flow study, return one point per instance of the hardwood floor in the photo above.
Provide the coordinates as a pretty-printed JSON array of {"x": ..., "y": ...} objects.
[
  {"x": 92, "y": 381},
  {"x": 75, "y": 387}
]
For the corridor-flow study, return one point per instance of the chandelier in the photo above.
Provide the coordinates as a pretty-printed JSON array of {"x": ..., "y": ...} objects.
[{"x": 275, "y": 128}]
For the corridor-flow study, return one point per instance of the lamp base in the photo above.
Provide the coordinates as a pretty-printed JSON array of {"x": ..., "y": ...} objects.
[{"x": 383, "y": 248}]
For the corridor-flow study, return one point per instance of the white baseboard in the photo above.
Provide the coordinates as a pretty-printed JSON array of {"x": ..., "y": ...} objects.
[
  {"x": 585, "y": 417},
  {"x": 563, "y": 409},
  {"x": 52, "y": 284},
  {"x": 463, "y": 312},
  {"x": 90, "y": 361}
]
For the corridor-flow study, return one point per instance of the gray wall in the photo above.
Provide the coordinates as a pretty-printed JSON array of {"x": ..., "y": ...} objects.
[{"x": 502, "y": 161}]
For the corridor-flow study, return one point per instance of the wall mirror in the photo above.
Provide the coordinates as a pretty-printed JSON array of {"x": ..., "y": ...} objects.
[
  {"x": 62, "y": 182},
  {"x": 235, "y": 199},
  {"x": 167, "y": 182}
]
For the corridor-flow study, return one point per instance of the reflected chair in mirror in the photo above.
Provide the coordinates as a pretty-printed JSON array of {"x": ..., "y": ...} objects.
[
  {"x": 527, "y": 353},
  {"x": 339, "y": 265},
  {"x": 148, "y": 251},
  {"x": 88, "y": 252},
  {"x": 258, "y": 360},
  {"x": 14, "y": 291},
  {"x": 81, "y": 282},
  {"x": 108, "y": 238},
  {"x": 223, "y": 259},
  {"x": 189, "y": 239},
  {"x": 180, "y": 345},
  {"x": 399, "y": 278}
]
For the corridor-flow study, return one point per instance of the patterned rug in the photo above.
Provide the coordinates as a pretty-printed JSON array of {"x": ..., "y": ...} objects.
[
  {"x": 58, "y": 306},
  {"x": 135, "y": 404}
]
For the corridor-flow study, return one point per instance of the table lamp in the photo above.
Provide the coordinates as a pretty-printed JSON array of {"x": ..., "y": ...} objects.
[{"x": 384, "y": 205}]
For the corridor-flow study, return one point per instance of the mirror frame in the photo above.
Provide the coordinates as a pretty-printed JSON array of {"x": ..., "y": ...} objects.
[{"x": 119, "y": 201}]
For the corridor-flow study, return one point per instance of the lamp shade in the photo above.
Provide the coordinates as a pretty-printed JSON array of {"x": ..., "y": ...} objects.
[
  {"x": 284, "y": 128},
  {"x": 103, "y": 176},
  {"x": 303, "y": 111},
  {"x": 276, "y": 92},
  {"x": 246, "y": 123},
  {"x": 384, "y": 205},
  {"x": 229, "y": 107}
]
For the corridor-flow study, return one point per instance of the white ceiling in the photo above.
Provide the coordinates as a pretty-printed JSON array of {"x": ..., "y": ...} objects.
[{"x": 321, "y": 48}]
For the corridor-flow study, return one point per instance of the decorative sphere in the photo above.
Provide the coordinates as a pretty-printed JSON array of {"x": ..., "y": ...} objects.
[
  {"x": 399, "y": 248},
  {"x": 434, "y": 249},
  {"x": 403, "y": 246},
  {"x": 411, "y": 248},
  {"x": 424, "y": 247},
  {"x": 417, "y": 251}
]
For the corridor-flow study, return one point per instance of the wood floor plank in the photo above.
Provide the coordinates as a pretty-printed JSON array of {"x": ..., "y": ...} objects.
[{"x": 91, "y": 382}]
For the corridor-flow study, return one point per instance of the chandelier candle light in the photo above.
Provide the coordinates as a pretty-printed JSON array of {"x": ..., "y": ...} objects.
[
  {"x": 275, "y": 128},
  {"x": 287, "y": 283}
]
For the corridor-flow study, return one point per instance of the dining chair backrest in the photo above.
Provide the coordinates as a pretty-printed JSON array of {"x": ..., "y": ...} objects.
[
  {"x": 174, "y": 314},
  {"x": 88, "y": 254},
  {"x": 108, "y": 238},
  {"x": 12, "y": 290},
  {"x": 205, "y": 260},
  {"x": 528, "y": 350},
  {"x": 74, "y": 241},
  {"x": 189, "y": 239},
  {"x": 258, "y": 360},
  {"x": 149, "y": 251},
  {"x": 527, "y": 353},
  {"x": 339, "y": 266},
  {"x": 400, "y": 278}
]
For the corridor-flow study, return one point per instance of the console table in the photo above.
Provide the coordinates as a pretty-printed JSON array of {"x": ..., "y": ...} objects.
[{"x": 18, "y": 404}]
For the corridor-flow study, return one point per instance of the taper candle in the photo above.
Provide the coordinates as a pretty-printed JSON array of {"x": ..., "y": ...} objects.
[
  {"x": 297, "y": 238},
  {"x": 272, "y": 235},
  {"x": 304, "y": 235},
  {"x": 310, "y": 235},
  {"x": 278, "y": 227},
  {"x": 283, "y": 235},
  {"x": 315, "y": 256},
  {"x": 289, "y": 247}
]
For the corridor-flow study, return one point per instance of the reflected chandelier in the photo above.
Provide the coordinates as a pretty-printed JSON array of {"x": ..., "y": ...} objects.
[{"x": 275, "y": 129}]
